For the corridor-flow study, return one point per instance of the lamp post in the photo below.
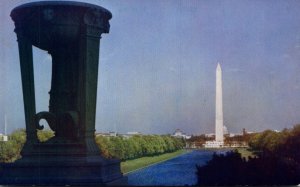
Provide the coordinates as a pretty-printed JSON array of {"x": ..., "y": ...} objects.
[{"x": 70, "y": 32}]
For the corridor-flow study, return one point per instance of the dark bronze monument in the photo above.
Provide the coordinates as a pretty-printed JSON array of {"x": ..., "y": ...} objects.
[{"x": 70, "y": 32}]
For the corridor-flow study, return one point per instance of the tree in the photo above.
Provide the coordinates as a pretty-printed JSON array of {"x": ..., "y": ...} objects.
[{"x": 44, "y": 135}]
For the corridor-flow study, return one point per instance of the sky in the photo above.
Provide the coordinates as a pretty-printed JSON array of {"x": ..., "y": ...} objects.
[{"x": 157, "y": 66}]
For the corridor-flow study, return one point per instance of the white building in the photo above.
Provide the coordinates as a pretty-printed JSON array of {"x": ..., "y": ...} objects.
[
  {"x": 179, "y": 134},
  {"x": 225, "y": 130},
  {"x": 107, "y": 134},
  {"x": 210, "y": 135},
  {"x": 134, "y": 133},
  {"x": 213, "y": 144},
  {"x": 3, "y": 138},
  {"x": 130, "y": 134}
]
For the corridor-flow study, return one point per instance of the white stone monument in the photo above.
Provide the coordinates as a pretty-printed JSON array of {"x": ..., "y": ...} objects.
[
  {"x": 219, "y": 134},
  {"x": 219, "y": 105}
]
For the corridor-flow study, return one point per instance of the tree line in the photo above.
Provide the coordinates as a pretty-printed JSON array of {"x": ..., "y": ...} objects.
[
  {"x": 277, "y": 162},
  {"x": 110, "y": 147},
  {"x": 10, "y": 150},
  {"x": 138, "y": 146}
]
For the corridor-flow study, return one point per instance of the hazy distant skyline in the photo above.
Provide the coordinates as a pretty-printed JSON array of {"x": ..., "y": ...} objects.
[{"x": 157, "y": 66}]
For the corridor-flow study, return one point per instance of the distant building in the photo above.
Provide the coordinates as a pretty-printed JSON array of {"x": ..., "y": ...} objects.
[
  {"x": 3, "y": 138},
  {"x": 213, "y": 144},
  {"x": 236, "y": 134},
  {"x": 210, "y": 135},
  {"x": 134, "y": 133},
  {"x": 244, "y": 132},
  {"x": 179, "y": 134},
  {"x": 236, "y": 144},
  {"x": 114, "y": 134},
  {"x": 110, "y": 134},
  {"x": 130, "y": 134},
  {"x": 225, "y": 130}
]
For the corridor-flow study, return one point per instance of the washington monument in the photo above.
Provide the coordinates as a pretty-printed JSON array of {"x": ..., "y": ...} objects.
[{"x": 219, "y": 105}]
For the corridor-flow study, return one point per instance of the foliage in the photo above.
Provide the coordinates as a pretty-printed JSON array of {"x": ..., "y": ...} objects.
[
  {"x": 239, "y": 138},
  {"x": 232, "y": 169},
  {"x": 198, "y": 140},
  {"x": 45, "y": 135},
  {"x": 137, "y": 146},
  {"x": 111, "y": 147},
  {"x": 277, "y": 162},
  {"x": 10, "y": 150},
  {"x": 283, "y": 144}
]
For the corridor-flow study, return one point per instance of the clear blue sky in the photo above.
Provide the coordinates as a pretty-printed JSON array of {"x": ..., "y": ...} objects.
[{"x": 157, "y": 66}]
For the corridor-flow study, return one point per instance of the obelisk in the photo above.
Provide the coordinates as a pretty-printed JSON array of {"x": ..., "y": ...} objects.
[{"x": 219, "y": 105}]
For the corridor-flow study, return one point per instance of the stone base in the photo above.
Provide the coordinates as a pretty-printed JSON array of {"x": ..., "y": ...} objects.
[
  {"x": 90, "y": 170},
  {"x": 119, "y": 182}
]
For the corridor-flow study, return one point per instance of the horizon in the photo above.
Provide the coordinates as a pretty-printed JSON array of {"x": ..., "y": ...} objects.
[{"x": 157, "y": 66}]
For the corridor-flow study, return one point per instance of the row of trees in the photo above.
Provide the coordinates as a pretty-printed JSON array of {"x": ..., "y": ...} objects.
[
  {"x": 137, "y": 146},
  {"x": 277, "y": 162},
  {"x": 111, "y": 147},
  {"x": 10, "y": 150},
  {"x": 284, "y": 142}
]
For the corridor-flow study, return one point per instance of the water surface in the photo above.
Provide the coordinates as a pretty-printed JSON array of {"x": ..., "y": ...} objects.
[{"x": 178, "y": 171}]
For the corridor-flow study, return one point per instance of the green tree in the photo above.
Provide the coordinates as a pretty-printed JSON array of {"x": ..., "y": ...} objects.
[
  {"x": 44, "y": 135},
  {"x": 10, "y": 150}
]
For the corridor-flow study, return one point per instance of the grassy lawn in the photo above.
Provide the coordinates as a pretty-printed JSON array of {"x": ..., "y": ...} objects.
[
  {"x": 131, "y": 165},
  {"x": 245, "y": 152}
]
